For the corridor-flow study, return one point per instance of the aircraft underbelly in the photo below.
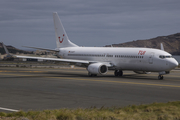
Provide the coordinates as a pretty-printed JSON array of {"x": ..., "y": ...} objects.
[{"x": 126, "y": 64}]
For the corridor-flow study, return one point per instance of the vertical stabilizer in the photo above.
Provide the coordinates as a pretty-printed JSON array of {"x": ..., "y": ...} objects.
[{"x": 61, "y": 36}]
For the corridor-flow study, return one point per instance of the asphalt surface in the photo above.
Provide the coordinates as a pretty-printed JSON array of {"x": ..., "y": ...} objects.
[{"x": 39, "y": 89}]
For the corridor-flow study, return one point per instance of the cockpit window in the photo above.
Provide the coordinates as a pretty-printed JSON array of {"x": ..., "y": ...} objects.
[
  {"x": 163, "y": 56},
  {"x": 168, "y": 56}
]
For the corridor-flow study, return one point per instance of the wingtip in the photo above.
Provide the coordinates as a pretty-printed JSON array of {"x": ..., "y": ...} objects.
[{"x": 6, "y": 50}]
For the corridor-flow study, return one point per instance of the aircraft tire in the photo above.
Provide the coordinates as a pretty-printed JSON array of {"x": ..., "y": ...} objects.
[
  {"x": 120, "y": 73},
  {"x": 116, "y": 73},
  {"x": 160, "y": 77}
]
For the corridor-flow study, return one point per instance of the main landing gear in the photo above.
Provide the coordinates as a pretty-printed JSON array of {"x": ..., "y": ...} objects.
[
  {"x": 160, "y": 77},
  {"x": 118, "y": 73},
  {"x": 91, "y": 75}
]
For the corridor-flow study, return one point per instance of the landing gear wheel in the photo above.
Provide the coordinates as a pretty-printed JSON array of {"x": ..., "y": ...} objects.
[
  {"x": 160, "y": 77},
  {"x": 118, "y": 73},
  {"x": 94, "y": 75}
]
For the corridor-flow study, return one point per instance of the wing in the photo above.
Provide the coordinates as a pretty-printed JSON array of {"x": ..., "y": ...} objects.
[
  {"x": 74, "y": 61},
  {"x": 54, "y": 59},
  {"x": 108, "y": 64}
]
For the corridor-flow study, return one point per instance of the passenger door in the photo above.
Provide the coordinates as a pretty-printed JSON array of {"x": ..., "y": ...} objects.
[{"x": 151, "y": 58}]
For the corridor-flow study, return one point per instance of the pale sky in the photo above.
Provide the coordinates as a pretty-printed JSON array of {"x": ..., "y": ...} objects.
[{"x": 87, "y": 23}]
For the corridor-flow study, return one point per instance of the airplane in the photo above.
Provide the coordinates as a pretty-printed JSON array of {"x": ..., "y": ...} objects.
[{"x": 98, "y": 60}]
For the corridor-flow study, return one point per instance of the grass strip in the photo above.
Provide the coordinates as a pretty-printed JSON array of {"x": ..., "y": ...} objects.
[{"x": 154, "y": 111}]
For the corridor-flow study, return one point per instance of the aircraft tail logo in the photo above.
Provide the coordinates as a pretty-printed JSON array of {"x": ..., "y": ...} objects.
[{"x": 60, "y": 39}]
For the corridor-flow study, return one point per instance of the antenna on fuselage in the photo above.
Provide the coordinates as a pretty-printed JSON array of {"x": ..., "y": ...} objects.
[{"x": 162, "y": 47}]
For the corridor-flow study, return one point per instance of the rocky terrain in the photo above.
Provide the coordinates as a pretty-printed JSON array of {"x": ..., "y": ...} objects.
[
  {"x": 171, "y": 43},
  {"x": 13, "y": 50}
]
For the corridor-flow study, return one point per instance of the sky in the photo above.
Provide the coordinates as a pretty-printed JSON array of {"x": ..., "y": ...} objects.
[{"x": 87, "y": 23}]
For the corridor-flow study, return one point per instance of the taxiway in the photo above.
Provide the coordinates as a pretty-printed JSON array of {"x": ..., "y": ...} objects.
[{"x": 39, "y": 89}]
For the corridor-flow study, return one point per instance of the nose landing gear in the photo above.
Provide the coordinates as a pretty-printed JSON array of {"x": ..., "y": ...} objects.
[
  {"x": 118, "y": 73},
  {"x": 160, "y": 77}
]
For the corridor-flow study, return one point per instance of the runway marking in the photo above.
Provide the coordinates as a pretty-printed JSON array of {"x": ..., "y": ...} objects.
[
  {"x": 118, "y": 82},
  {"x": 7, "y": 109},
  {"x": 78, "y": 72},
  {"x": 5, "y": 71},
  {"x": 100, "y": 80},
  {"x": 19, "y": 75},
  {"x": 22, "y": 71}
]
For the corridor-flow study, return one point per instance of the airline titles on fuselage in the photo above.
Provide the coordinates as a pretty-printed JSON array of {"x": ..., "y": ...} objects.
[{"x": 141, "y": 52}]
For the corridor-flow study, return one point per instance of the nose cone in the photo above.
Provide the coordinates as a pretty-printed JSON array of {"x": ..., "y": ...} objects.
[{"x": 173, "y": 63}]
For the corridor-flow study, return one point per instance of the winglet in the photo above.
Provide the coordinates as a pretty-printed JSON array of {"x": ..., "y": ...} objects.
[
  {"x": 162, "y": 48},
  {"x": 6, "y": 50}
]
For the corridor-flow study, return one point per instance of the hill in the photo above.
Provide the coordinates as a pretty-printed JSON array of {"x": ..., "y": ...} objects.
[
  {"x": 13, "y": 50},
  {"x": 171, "y": 43}
]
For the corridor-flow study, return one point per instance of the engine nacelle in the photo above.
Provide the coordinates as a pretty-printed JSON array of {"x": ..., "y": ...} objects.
[
  {"x": 142, "y": 72},
  {"x": 97, "y": 68}
]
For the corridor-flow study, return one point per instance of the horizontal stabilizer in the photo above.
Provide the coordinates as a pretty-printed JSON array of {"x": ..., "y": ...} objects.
[{"x": 42, "y": 49}]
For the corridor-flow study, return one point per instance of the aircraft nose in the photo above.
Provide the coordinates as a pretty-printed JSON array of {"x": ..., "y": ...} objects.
[{"x": 173, "y": 63}]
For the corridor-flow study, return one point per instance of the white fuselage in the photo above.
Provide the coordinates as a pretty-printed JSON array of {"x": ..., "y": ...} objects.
[{"x": 136, "y": 59}]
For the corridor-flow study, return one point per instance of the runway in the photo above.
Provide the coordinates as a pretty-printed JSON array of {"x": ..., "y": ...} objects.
[{"x": 39, "y": 89}]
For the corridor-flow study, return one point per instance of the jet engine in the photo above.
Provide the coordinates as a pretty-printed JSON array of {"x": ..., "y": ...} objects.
[
  {"x": 142, "y": 72},
  {"x": 97, "y": 68}
]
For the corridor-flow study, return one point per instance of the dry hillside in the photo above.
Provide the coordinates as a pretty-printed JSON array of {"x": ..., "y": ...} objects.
[
  {"x": 12, "y": 49},
  {"x": 171, "y": 43}
]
